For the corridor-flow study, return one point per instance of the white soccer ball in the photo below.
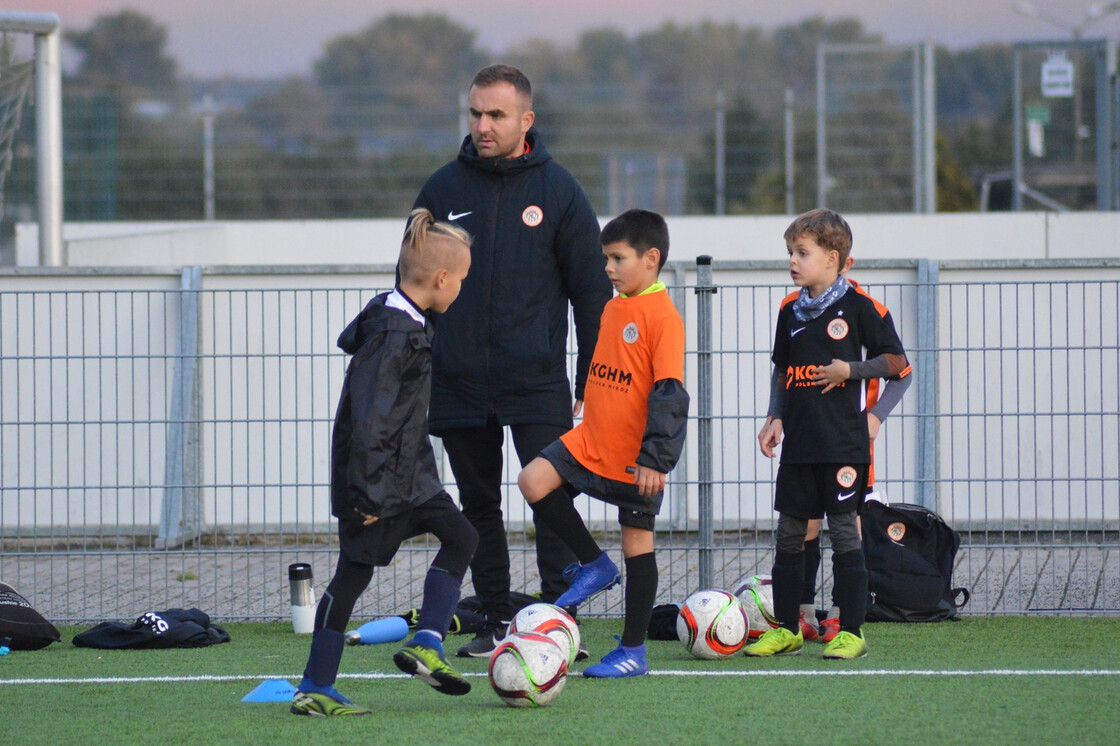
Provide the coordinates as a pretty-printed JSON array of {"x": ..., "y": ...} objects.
[
  {"x": 757, "y": 597},
  {"x": 552, "y": 621},
  {"x": 712, "y": 624},
  {"x": 528, "y": 669}
]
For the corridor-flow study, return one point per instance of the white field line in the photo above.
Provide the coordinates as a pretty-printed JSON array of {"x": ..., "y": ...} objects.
[{"x": 1023, "y": 672}]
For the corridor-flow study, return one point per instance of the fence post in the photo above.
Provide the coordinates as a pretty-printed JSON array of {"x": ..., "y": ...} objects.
[
  {"x": 704, "y": 291},
  {"x": 181, "y": 514},
  {"x": 926, "y": 384},
  {"x": 790, "y": 137},
  {"x": 678, "y": 505},
  {"x": 720, "y": 155}
]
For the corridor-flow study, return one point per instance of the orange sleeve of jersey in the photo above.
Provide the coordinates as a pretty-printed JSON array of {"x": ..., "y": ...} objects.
[{"x": 668, "y": 349}]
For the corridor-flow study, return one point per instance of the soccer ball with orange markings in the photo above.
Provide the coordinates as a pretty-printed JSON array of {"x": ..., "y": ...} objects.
[{"x": 712, "y": 624}]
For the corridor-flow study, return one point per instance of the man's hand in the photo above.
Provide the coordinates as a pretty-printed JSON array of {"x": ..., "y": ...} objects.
[{"x": 578, "y": 408}]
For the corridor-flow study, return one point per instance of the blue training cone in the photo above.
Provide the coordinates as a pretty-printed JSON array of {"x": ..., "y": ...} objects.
[
  {"x": 389, "y": 629},
  {"x": 272, "y": 690}
]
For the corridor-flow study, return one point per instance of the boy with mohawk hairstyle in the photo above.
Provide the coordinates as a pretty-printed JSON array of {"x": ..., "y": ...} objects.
[
  {"x": 831, "y": 338},
  {"x": 384, "y": 484}
]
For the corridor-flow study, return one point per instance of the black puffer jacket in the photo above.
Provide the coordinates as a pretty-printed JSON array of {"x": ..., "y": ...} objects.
[
  {"x": 381, "y": 458},
  {"x": 501, "y": 347}
]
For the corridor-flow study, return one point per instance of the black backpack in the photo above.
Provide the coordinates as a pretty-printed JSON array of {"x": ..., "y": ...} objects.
[{"x": 909, "y": 551}]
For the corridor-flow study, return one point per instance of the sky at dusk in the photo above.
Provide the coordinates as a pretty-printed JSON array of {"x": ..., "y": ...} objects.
[{"x": 271, "y": 38}]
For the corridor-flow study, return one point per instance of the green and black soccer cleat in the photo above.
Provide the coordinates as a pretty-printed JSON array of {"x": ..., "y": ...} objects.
[
  {"x": 324, "y": 705},
  {"x": 429, "y": 665}
]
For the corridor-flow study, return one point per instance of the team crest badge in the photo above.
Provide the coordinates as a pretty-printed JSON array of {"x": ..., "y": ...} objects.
[
  {"x": 838, "y": 328},
  {"x": 896, "y": 531},
  {"x": 532, "y": 216},
  {"x": 846, "y": 477},
  {"x": 630, "y": 333}
]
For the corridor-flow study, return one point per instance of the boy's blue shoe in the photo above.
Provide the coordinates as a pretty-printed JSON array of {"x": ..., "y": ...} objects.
[
  {"x": 588, "y": 580},
  {"x": 620, "y": 663}
]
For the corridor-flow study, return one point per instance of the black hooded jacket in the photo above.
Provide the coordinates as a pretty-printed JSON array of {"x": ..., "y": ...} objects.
[
  {"x": 381, "y": 457},
  {"x": 501, "y": 347}
]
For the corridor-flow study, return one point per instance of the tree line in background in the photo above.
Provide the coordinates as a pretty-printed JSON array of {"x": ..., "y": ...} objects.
[{"x": 381, "y": 109}]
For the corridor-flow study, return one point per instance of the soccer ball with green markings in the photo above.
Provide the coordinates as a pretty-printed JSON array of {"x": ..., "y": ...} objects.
[
  {"x": 528, "y": 669},
  {"x": 757, "y": 597}
]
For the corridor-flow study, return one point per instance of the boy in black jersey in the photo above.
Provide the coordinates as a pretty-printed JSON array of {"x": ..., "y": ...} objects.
[
  {"x": 831, "y": 338},
  {"x": 881, "y": 400}
]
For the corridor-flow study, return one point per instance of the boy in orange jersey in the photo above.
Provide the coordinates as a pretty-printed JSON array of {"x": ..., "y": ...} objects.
[{"x": 631, "y": 435}]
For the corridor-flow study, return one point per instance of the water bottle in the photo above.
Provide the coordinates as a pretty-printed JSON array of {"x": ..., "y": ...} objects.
[{"x": 303, "y": 598}]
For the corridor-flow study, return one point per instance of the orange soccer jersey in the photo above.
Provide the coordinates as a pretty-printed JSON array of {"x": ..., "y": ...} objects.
[{"x": 641, "y": 341}]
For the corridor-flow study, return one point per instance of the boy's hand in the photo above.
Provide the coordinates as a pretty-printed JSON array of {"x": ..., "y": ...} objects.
[
  {"x": 830, "y": 376},
  {"x": 770, "y": 436},
  {"x": 649, "y": 481},
  {"x": 369, "y": 519},
  {"x": 873, "y": 424}
]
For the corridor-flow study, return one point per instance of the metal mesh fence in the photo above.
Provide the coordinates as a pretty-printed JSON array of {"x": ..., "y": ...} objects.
[
  {"x": 296, "y": 150},
  {"x": 167, "y": 446}
]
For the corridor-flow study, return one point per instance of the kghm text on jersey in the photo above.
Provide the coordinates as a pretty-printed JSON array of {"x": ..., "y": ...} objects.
[
  {"x": 799, "y": 375},
  {"x": 609, "y": 373}
]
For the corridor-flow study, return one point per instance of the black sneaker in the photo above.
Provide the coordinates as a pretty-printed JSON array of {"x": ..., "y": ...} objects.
[
  {"x": 484, "y": 642},
  {"x": 581, "y": 654}
]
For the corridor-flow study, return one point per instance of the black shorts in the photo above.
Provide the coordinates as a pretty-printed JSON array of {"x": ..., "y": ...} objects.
[
  {"x": 633, "y": 509},
  {"x": 810, "y": 490},
  {"x": 378, "y": 543}
]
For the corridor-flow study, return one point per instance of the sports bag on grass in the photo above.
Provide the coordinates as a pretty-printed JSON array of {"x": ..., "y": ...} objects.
[
  {"x": 909, "y": 551},
  {"x": 173, "y": 628},
  {"x": 21, "y": 627}
]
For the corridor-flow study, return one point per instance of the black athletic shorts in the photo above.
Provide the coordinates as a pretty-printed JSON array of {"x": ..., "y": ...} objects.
[
  {"x": 633, "y": 509},
  {"x": 811, "y": 490},
  {"x": 378, "y": 543}
]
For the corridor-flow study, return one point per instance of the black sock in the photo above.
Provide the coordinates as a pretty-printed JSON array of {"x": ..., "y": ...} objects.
[
  {"x": 641, "y": 591},
  {"x": 441, "y": 594},
  {"x": 326, "y": 655},
  {"x": 850, "y": 589},
  {"x": 557, "y": 511},
  {"x": 789, "y": 576},
  {"x": 812, "y": 567}
]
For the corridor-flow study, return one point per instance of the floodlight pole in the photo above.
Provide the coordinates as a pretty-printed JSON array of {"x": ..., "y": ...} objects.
[{"x": 48, "y": 126}]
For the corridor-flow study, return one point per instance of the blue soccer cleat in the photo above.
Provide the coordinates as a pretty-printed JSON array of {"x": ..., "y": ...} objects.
[
  {"x": 589, "y": 580},
  {"x": 620, "y": 663}
]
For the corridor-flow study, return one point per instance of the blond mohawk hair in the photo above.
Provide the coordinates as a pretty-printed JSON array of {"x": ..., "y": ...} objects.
[{"x": 430, "y": 245}]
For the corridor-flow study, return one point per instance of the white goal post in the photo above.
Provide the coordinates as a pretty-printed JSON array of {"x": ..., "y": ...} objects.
[{"x": 48, "y": 126}]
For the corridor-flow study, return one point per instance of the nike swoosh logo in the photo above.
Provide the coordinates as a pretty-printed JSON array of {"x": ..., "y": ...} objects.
[
  {"x": 795, "y": 332},
  {"x": 452, "y": 216},
  {"x": 844, "y": 497}
]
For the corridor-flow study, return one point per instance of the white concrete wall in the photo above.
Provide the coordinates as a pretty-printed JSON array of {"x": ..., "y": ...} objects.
[
  {"x": 91, "y": 348},
  {"x": 942, "y": 236}
]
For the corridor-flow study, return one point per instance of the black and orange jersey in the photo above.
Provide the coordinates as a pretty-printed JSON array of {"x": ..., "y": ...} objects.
[{"x": 832, "y": 427}]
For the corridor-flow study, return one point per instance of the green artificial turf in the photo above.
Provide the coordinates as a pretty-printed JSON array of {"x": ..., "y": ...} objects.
[{"x": 981, "y": 680}]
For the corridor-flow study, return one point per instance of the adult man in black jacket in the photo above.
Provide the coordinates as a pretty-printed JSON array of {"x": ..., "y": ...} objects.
[{"x": 499, "y": 355}]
